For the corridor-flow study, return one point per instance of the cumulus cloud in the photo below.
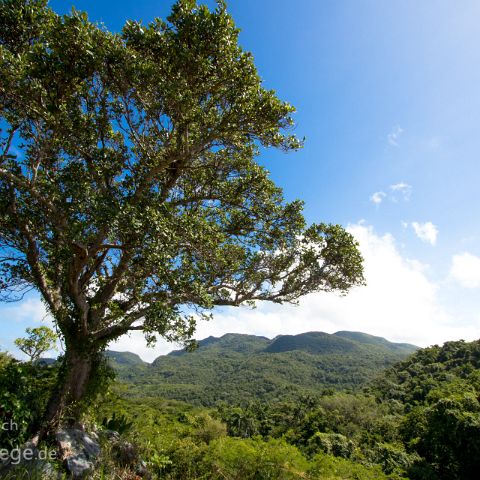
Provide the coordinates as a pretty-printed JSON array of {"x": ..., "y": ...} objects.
[
  {"x": 403, "y": 189},
  {"x": 397, "y": 191},
  {"x": 28, "y": 311},
  {"x": 394, "y": 135},
  {"x": 465, "y": 270},
  {"x": 135, "y": 342},
  {"x": 427, "y": 232},
  {"x": 399, "y": 303},
  {"x": 377, "y": 197}
]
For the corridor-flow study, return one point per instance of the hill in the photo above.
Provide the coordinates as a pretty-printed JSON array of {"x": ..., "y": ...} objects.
[
  {"x": 124, "y": 358},
  {"x": 413, "y": 380},
  {"x": 236, "y": 368}
]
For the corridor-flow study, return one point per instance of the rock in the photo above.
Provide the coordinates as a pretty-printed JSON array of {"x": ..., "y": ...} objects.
[
  {"x": 78, "y": 465},
  {"x": 111, "y": 435},
  {"x": 142, "y": 470},
  {"x": 125, "y": 453},
  {"x": 78, "y": 450}
]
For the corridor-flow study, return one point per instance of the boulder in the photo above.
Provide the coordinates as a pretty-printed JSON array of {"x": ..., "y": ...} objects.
[
  {"x": 125, "y": 454},
  {"x": 78, "y": 450}
]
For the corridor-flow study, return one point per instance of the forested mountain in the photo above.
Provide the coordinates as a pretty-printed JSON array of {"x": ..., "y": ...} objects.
[
  {"x": 238, "y": 368},
  {"x": 418, "y": 419},
  {"x": 126, "y": 359}
]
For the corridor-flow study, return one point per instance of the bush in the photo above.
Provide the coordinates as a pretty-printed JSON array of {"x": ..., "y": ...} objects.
[
  {"x": 24, "y": 392},
  {"x": 186, "y": 457},
  {"x": 208, "y": 428},
  {"x": 332, "y": 444},
  {"x": 5, "y": 359},
  {"x": 327, "y": 467},
  {"x": 392, "y": 458},
  {"x": 253, "y": 458}
]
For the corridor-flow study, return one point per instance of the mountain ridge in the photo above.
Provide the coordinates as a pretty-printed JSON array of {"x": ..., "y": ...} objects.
[
  {"x": 239, "y": 367},
  {"x": 361, "y": 337}
]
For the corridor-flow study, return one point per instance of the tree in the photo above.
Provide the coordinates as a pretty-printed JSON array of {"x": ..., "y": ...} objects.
[
  {"x": 130, "y": 195},
  {"x": 445, "y": 429},
  {"x": 5, "y": 359},
  {"x": 39, "y": 341}
]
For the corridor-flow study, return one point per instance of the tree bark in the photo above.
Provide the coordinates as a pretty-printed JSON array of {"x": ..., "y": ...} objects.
[{"x": 64, "y": 403}]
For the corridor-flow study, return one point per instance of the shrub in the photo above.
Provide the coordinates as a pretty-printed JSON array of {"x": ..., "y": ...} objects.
[
  {"x": 253, "y": 458},
  {"x": 327, "y": 467},
  {"x": 24, "y": 391}
]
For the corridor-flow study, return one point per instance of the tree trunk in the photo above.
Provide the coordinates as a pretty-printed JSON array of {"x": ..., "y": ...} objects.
[{"x": 71, "y": 388}]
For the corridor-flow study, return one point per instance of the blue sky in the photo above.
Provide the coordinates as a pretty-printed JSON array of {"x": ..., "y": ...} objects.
[{"x": 387, "y": 95}]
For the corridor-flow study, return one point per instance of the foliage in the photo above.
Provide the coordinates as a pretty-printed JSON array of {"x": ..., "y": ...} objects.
[
  {"x": 439, "y": 389},
  {"x": 334, "y": 468},
  {"x": 130, "y": 195},
  {"x": 236, "y": 368},
  {"x": 253, "y": 458},
  {"x": 118, "y": 424},
  {"x": 411, "y": 381},
  {"x": 171, "y": 438},
  {"x": 446, "y": 431},
  {"x": 5, "y": 359},
  {"x": 24, "y": 392},
  {"x": 39, "y": 340},
  {"x": 331, "y": 443},
  {"x": 329, "y": 436}
]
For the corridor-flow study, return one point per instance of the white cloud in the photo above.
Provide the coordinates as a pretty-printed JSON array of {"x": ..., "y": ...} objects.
[
  {"x": 135, "y": 342},
  {"x": 394, "y": 135},
  {"x": 465, "y": 270},
  {"x": 427, "y": 232},
  {"x": 398, "y": 191},
  {"x": 377, "y": 197},
  {"x": 28, "y": 311},
  {"x": 399, "y": 303},
  {"x": 402, "y": 188}
]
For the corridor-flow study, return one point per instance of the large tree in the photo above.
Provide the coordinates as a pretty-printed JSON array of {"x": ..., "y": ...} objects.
[{"x": 130, "y": 195}]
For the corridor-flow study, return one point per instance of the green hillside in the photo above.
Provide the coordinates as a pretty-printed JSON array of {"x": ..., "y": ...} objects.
[
  {"x": 237, "y": 368},
  {"x": 418, "y": 419},
  {"x": 125, "y": 358},
  {"x": 364, "y": 338},
  {"x": 312, "y": 342}
]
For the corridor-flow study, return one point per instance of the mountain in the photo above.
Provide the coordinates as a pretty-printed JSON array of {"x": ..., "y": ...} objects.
[
  {"x": 124, "y": 358},
  {"x": 364, "y": 338},
  {"x": 234, "y": 342},
  {"x": 312, "y": 342},
  {"x": 236, "y": 368},
  {"x": 126, "y": 364}
]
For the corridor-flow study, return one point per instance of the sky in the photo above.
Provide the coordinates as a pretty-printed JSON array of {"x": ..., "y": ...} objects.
[{"x": 387, "y": 96}]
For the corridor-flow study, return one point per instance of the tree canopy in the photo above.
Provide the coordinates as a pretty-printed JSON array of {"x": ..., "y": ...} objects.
[
  {"x": 130, "y": 194},
  {"x": 38, "y": 341}
]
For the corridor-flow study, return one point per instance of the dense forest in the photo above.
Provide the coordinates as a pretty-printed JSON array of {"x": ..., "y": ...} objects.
[
  {"x": 236, "y": 367},
  {"x": 418, "y": 419}
]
